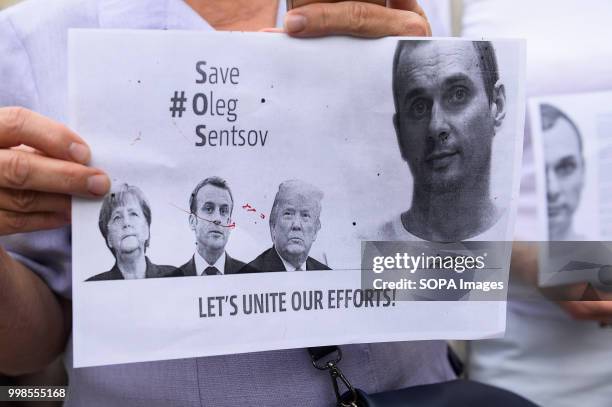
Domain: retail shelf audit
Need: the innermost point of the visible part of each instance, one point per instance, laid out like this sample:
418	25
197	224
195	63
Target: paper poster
249	168
573	157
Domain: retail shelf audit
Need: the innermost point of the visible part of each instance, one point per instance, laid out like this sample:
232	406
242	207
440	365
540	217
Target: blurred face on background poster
564	170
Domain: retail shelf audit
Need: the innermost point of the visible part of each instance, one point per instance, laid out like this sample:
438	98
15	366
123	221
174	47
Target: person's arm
33	324
42	163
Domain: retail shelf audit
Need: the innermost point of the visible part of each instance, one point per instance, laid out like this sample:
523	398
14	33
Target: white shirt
289	266
394	230
201	264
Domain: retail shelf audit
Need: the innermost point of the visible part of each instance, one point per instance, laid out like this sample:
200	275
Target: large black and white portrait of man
449	105
211	204
295	221
565	171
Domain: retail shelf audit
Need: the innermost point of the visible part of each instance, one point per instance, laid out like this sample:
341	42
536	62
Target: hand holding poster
249	168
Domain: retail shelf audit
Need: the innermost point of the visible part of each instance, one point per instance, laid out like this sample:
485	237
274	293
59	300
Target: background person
553	353
125	222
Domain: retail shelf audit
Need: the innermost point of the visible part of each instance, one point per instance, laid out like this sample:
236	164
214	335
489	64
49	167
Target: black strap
455	362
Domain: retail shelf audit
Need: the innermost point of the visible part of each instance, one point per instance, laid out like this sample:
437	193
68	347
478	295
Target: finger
301	3
589	310
354	18
19	170
22	126
408	5
15	222
27	149
26	201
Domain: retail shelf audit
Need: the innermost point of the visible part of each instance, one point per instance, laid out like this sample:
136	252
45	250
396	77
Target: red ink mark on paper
249	208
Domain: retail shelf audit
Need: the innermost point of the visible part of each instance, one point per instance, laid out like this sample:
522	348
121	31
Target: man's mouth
557	210
439	155
441	159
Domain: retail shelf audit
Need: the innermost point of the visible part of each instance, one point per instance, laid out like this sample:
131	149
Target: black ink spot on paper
263	100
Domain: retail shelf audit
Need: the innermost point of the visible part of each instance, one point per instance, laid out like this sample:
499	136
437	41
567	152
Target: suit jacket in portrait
270	261
153	271
232	266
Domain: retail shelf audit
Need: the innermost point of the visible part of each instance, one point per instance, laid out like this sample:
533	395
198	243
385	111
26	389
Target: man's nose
438	124
216	217
296	223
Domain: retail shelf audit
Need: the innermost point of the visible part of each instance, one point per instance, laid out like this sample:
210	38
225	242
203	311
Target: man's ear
498	107
193	221
396	126
583	170
317	228
270	223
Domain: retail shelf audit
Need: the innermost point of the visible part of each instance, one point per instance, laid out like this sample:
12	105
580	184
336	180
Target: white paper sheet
573	158
320	111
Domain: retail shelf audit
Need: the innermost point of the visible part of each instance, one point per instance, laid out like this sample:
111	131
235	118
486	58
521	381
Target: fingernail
79	153
295	23
98	184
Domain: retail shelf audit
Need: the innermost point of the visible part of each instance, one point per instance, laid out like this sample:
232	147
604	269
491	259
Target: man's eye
419	109
565	169
209	209
458	95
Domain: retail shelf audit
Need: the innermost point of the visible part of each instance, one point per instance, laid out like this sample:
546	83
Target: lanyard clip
338	377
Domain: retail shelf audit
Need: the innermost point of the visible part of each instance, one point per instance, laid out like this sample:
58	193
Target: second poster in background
573	160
